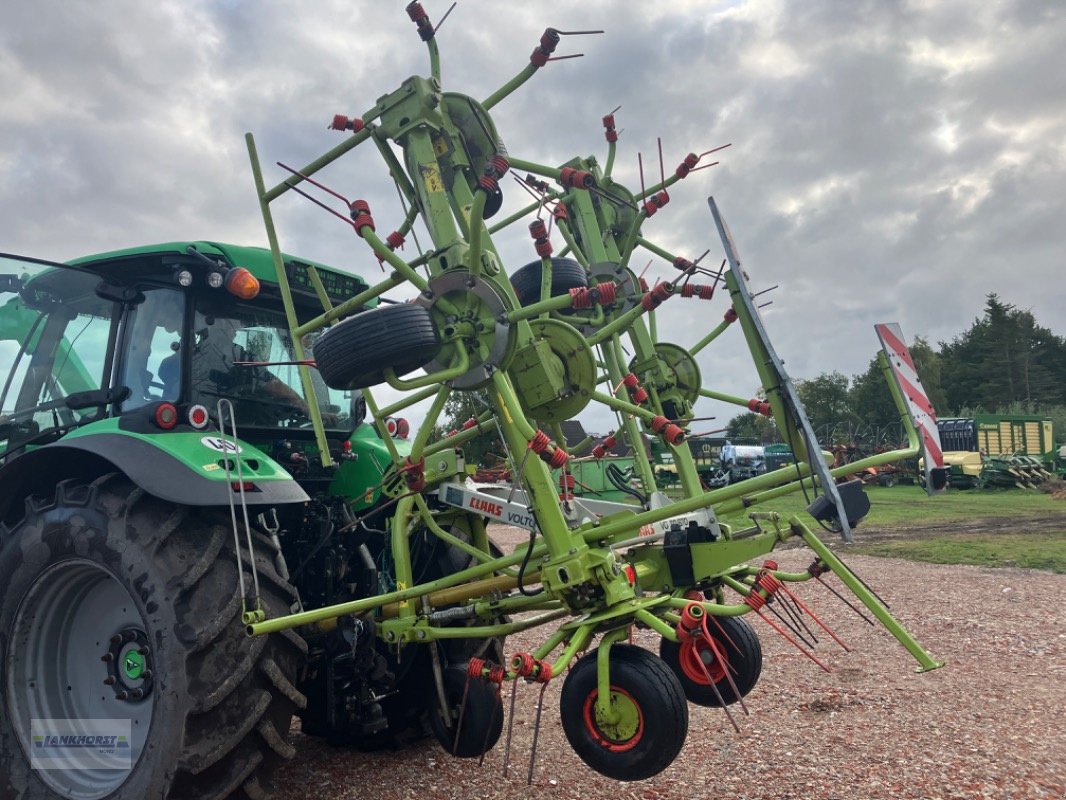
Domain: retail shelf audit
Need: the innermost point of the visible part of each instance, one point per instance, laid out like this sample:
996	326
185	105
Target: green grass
1040	550
909	506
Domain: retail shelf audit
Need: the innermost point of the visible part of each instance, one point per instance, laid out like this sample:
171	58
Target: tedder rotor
542	343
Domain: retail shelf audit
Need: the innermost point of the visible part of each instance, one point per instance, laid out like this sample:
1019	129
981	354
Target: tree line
1004	363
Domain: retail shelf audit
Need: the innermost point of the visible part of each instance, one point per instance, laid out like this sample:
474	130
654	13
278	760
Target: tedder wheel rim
621	734
79	651
691	657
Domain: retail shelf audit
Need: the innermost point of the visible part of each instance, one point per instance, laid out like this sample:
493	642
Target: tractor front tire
117	605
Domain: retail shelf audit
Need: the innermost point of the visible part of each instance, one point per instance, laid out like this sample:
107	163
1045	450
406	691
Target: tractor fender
151	468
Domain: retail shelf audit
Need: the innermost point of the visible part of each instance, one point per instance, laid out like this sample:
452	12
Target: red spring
475	668
655	202
395	240
414	473
558	458
640	395
539	443
631	381
489	184
470	423
685	167
523	664
655	297
343	123
497	674
543	672
691	621
421	20
643	284
542	52
769	564
560	212
730	315
360	212
659	423
760	407
817	568
650	209
604	447
674	434
683	263
538	229
609	132
543	247
700	290
575	178
607	292
567	481
580	297
499	164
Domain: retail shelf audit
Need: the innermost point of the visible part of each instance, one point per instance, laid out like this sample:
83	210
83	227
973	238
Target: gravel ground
990	724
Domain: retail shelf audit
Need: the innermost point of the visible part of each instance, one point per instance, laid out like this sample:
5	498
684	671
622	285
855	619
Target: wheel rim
622	734
694	660
79	651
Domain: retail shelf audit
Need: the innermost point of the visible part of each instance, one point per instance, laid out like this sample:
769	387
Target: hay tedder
368	596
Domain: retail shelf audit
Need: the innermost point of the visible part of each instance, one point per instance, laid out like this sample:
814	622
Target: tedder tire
738	643
653	715
567	274
482	715
119	606
354	353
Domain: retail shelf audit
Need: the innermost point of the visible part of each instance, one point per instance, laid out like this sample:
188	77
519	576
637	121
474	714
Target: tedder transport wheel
481	717
743	653
652	715
353	353
119	606
567	274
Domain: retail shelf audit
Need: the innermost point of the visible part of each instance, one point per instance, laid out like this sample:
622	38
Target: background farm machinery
359	562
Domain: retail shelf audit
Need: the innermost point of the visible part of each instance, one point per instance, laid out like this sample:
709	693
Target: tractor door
57	337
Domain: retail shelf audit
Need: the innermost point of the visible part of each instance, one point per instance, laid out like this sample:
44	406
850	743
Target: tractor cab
156	331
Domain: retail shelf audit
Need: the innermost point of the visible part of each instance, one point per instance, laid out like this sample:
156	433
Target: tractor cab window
152	366
54	342
245	354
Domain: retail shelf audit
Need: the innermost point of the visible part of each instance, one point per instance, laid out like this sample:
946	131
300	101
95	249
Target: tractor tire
117	605
567	274
742	650
354	353
653	714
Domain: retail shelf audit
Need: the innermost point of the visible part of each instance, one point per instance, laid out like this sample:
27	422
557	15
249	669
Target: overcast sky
890	161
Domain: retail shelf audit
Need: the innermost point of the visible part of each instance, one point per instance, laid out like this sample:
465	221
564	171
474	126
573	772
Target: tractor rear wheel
651	716
119	606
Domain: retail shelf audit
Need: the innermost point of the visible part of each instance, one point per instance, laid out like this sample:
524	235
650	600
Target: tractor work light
215	280
183	277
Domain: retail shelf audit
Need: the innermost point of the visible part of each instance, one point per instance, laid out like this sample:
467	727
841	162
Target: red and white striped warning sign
921	410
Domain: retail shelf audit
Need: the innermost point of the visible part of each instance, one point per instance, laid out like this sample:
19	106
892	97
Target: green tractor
137	534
